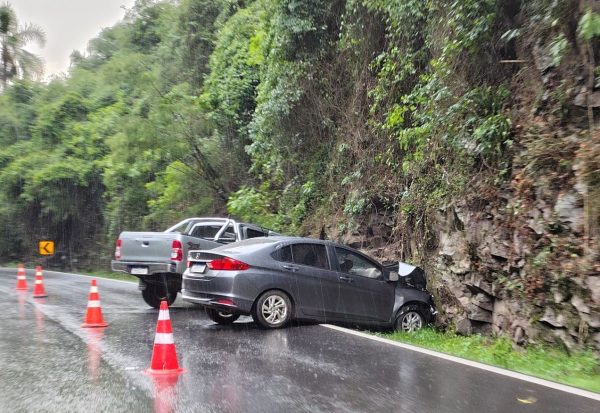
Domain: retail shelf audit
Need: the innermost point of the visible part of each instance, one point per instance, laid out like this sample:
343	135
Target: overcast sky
69	25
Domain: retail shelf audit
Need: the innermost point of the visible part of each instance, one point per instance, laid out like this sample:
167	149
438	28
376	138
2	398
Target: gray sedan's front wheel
273	309
409	319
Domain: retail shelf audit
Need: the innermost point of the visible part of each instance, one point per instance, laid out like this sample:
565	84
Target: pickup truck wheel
221	317
153	294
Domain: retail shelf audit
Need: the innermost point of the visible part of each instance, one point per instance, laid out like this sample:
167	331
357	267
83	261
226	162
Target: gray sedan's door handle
346	279
291	268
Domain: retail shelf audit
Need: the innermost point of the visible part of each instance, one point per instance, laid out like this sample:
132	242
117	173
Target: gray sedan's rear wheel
153	294
409	319
273	309
221	317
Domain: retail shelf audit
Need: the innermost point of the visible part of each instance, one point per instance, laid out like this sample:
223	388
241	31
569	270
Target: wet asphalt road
49	363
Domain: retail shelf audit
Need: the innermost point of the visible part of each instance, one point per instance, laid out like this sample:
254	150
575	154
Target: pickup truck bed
159	258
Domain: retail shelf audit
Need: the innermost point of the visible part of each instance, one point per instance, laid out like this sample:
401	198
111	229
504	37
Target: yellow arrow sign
46	247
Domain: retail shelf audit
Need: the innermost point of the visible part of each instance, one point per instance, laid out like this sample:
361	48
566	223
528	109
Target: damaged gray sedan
279	279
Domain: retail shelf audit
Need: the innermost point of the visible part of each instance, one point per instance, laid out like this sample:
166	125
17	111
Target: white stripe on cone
93	303
163	338
38	281
93	289
163	315
21	277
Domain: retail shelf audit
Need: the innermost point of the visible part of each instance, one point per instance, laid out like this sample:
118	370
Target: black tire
409	319
221	317
153	294
273	309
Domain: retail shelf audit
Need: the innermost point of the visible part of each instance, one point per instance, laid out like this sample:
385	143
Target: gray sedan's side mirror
393	276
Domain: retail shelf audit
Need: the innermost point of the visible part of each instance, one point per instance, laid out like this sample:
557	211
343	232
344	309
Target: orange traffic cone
21	280
93	314
164	356
38	290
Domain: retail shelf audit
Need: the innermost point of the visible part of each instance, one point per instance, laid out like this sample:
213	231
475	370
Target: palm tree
16	62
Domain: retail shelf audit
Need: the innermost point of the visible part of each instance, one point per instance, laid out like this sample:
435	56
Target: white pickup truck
159	259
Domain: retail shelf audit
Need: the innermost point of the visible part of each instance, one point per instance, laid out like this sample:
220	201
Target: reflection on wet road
51	363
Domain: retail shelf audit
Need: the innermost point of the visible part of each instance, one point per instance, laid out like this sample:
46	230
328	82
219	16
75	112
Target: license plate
198	268
139	270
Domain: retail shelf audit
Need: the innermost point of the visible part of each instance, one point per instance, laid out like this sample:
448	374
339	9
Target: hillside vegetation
460	135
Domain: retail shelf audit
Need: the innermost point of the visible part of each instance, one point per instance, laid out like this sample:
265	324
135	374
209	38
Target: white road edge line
482	366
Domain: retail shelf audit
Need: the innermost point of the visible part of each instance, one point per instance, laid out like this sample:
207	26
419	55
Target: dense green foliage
15	61
282	112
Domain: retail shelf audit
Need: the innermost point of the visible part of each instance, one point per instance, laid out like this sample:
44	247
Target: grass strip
92	273
579	369
109	274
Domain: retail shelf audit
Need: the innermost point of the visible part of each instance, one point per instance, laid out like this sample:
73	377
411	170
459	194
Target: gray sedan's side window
352	263
286	254
313	255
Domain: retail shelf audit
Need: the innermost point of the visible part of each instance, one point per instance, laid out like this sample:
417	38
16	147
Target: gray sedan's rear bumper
240	305
216	292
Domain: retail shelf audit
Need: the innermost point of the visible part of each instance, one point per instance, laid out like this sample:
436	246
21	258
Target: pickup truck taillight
118	250
176	250
227	264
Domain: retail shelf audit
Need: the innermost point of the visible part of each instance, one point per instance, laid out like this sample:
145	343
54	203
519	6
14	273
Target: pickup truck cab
159	258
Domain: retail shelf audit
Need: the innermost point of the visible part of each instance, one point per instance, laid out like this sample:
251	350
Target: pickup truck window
180	228
205	231
210	231
228	235
253	233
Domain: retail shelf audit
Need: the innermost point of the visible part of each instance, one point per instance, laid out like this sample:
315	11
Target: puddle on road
94	351
165	392
45	366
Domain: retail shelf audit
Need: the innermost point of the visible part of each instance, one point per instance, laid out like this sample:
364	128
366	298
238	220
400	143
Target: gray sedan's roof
255	244
273	238
245	246
251	246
